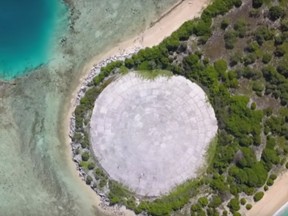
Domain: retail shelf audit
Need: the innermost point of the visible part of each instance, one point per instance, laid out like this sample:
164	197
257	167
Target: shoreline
281	209
274	200
169	21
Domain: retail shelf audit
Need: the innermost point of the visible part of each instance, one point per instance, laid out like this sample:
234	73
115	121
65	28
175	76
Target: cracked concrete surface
151	135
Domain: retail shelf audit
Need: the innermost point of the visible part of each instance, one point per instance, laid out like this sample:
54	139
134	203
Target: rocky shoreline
94	71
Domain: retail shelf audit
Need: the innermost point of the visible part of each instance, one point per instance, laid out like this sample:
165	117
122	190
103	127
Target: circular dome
151	135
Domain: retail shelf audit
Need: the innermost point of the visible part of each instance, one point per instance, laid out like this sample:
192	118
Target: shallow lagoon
37	176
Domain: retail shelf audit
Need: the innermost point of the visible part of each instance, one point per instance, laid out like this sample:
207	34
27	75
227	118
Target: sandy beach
170	21
274	198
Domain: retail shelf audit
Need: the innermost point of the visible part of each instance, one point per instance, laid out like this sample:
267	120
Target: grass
211	150
151	75
175	200
84	165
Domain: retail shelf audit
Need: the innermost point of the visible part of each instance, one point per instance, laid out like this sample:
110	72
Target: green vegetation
203	201
258	196
234	205
243	201
88	180
248	88
85	156
248	206
91	166
154	73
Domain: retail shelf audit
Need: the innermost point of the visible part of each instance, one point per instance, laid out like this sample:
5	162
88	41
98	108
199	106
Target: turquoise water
283	211
37	174
26	27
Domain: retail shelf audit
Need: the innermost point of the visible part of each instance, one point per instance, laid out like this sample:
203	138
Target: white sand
187	10
274	198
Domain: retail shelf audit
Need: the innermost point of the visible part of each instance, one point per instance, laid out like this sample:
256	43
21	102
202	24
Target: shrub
248	206
91	166
262	34
249	59
230	39
195	208
234	205
286	165
270	182
278	40
77	137
252	47
220	66
258	86
275	12
203	201
102	183
284	25
266	58
254	13
240	28
273	176
85	156
88	180
243	201
257	3
215	202
279	51
270	156
224	24
253	106
258	196
266	187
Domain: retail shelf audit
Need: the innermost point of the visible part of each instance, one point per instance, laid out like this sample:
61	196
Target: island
122	139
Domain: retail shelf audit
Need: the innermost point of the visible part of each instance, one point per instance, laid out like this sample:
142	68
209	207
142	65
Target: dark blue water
26	27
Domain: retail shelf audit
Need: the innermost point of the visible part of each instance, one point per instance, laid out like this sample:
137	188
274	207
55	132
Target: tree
234	205
257	175
258	196
248	158
275	12
239	175
270	156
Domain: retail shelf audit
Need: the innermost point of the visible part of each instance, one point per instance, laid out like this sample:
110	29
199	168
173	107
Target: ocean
26	28
283	211
44	45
